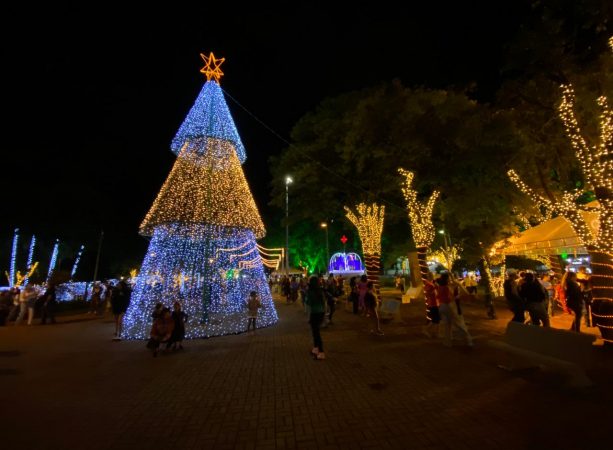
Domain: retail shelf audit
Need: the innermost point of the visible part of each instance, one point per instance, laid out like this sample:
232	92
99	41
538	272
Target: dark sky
94	94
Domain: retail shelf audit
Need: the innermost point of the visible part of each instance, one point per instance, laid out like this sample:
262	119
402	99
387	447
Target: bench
562	351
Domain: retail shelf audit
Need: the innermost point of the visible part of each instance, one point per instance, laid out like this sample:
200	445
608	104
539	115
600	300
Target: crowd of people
30	301
532	299
538	297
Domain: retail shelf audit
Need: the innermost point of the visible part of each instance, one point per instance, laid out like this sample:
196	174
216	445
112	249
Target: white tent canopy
552	237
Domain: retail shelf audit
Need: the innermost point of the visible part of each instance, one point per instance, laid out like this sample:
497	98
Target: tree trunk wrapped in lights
597	167
420	216
203	227
368	219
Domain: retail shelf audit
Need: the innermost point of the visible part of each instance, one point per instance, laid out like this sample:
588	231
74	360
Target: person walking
574	299
94	306
584	280
120	300
514	300
370	302
362	289
331	294
315	302
353	294
49	304
25	297
534	295
449	312
253	304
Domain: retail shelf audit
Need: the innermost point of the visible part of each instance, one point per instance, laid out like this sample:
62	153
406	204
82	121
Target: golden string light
595	160
566	206
19	278
446	256
368	219
205	186
420	214
212	67
276	256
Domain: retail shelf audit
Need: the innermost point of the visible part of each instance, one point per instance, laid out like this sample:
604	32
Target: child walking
253	304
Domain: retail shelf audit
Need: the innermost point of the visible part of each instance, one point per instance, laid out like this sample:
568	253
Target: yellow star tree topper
212	67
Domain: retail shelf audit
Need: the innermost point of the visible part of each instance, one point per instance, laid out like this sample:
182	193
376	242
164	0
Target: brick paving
69	386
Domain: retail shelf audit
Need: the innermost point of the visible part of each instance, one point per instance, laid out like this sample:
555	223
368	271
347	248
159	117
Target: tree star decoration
212	67
420	214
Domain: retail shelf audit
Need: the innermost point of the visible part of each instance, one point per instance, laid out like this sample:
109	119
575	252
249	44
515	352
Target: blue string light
209	117
76	262
53	258
185	263
30	259
13	258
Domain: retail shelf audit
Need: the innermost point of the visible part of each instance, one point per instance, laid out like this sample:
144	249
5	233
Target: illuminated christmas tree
203	226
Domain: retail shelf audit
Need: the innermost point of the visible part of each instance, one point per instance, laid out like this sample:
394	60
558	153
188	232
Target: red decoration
344	239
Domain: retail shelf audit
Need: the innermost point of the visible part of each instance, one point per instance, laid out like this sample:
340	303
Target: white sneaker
315	351
321	355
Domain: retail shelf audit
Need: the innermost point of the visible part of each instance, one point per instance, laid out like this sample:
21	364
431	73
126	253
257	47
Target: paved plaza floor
69	386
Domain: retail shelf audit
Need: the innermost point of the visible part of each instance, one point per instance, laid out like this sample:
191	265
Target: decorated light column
368	219
420	216
76	262
30	259
13	258
53	260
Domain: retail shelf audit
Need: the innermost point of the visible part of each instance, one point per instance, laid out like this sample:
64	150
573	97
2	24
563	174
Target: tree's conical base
210	270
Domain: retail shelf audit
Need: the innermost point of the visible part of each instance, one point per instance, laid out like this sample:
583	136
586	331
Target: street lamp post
444	233
324	225
288	181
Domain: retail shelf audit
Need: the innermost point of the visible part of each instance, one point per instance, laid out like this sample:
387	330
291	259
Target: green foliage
350	148
561	42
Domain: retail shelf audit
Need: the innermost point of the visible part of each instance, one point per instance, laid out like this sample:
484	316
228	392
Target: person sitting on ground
161	331
370	302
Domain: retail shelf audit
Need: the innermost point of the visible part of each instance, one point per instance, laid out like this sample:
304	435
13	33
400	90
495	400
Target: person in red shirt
432	312
449	312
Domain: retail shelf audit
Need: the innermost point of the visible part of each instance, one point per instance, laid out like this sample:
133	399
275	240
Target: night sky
93	96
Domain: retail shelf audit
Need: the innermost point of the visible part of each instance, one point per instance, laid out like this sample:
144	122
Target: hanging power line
310	158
